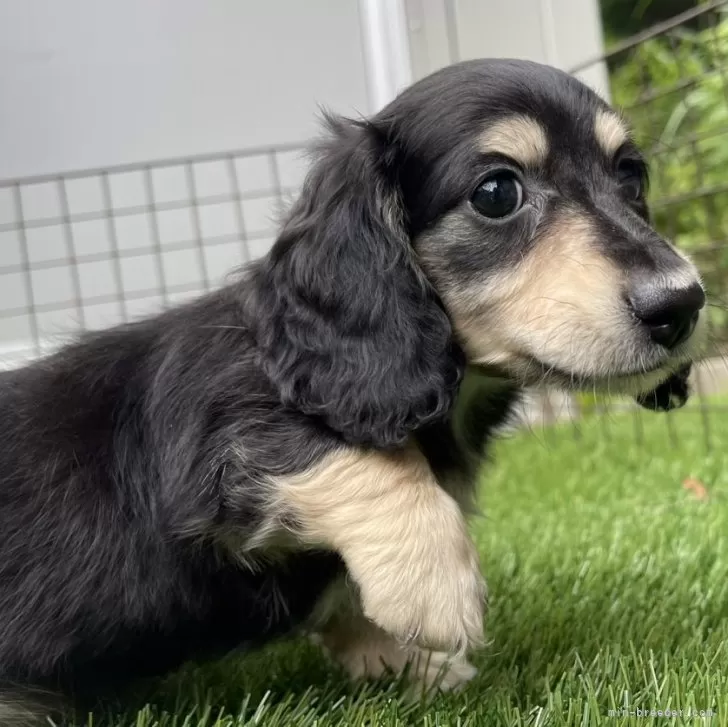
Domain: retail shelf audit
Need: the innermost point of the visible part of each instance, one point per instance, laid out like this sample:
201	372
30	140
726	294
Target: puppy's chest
455	466
457	448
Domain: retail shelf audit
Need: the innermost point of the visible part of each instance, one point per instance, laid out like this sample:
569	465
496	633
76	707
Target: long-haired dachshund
283	453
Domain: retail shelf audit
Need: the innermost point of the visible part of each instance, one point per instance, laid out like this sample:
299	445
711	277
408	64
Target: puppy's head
539	242
498	208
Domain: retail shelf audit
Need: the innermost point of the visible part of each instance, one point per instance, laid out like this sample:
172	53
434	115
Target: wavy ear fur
349	327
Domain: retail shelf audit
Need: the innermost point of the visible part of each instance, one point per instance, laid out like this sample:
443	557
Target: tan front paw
433	609
430	590
435	671
365	651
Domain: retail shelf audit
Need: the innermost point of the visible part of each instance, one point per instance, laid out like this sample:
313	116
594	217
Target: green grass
608	582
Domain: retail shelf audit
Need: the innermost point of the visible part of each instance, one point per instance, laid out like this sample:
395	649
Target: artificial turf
608	581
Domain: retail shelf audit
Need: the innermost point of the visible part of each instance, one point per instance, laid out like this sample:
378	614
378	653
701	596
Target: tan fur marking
28	707
365	651
610	131
403	538
545	304
519	137
562	304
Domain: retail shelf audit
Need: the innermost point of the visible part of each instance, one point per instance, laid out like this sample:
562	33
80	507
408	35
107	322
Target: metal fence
671	83
97	247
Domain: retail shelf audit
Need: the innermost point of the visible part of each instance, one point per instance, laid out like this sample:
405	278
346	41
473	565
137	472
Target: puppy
286	452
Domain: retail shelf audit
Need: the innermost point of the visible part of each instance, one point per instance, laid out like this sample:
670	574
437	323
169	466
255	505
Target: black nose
670	314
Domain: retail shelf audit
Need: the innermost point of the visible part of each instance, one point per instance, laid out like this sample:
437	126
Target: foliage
623	18
674	90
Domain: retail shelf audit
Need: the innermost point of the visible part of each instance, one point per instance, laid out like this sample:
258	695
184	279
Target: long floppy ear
349	328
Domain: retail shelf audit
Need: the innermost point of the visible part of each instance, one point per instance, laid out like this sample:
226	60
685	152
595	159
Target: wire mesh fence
93	248
671	83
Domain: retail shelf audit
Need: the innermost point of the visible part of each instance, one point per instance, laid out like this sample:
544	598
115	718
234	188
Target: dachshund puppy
295	451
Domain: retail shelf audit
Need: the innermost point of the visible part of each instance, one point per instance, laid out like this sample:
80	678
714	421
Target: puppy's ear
670	394
349	327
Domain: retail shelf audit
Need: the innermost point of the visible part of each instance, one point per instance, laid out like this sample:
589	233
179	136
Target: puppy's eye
499	195
630	175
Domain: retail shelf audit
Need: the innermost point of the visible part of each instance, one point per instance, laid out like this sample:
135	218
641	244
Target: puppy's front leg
366	651
404	541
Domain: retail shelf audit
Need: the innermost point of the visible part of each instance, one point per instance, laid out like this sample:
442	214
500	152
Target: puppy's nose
669	314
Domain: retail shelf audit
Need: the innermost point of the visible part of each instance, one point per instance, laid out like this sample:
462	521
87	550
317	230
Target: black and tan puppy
211	478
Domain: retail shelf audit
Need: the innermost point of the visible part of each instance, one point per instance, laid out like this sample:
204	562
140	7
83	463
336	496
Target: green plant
623	18
674	90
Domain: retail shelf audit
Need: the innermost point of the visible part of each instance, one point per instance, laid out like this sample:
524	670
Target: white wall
562	33
89	83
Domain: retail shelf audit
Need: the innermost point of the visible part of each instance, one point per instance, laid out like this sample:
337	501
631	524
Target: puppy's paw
433	609
428	590
435	671
364	651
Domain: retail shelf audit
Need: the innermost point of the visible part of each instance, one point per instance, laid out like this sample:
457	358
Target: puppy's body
130	461
200	481
127	460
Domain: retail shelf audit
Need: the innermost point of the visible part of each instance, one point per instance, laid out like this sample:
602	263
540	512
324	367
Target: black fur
350	329
117	472
131	460
671	394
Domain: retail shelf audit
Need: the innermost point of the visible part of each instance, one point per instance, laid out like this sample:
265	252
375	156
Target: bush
674	90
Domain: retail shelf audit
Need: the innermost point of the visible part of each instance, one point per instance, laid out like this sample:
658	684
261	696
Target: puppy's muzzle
670	315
